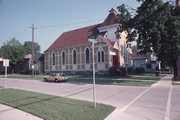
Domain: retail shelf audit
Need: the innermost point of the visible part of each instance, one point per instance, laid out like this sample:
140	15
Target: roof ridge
83	27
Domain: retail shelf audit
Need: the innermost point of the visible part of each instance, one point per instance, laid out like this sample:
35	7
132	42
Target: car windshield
62	74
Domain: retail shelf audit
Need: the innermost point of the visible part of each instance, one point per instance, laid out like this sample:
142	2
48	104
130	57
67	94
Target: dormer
109	26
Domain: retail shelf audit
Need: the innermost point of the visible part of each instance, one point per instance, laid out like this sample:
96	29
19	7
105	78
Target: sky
51	17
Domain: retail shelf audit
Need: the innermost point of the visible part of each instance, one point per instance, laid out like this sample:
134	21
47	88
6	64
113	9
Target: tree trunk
12	70
175	68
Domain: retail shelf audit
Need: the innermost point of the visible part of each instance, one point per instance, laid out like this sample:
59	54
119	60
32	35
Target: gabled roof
80	36
75	37
140	56
39	56
107	40
111	18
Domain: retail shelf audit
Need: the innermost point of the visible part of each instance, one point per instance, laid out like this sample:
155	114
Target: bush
113	71
116	71
25	72
139	70
123	71
130	70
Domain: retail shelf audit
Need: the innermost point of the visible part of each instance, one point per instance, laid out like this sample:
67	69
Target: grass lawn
51	107
135	77
142	79
175	83
147	77
25	76
114	82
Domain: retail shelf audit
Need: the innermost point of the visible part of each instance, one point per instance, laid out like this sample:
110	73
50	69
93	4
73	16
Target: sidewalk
9	113
120	113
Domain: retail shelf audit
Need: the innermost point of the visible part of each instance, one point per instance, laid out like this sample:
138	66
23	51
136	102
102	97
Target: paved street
159	102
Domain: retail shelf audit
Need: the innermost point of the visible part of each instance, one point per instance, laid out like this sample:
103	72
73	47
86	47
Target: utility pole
32	59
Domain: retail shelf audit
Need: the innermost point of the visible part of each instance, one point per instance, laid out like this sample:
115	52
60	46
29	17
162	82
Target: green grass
113	82
51	107
147	77
142	79
25	76
135	77
175	83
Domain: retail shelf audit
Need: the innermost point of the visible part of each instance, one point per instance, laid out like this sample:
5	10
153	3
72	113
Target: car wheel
45	80
56	80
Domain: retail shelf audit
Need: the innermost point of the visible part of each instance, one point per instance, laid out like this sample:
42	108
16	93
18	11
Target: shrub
130	70
113	71
123	71
139	70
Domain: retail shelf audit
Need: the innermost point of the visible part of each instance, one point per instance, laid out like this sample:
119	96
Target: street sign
6	62
93	41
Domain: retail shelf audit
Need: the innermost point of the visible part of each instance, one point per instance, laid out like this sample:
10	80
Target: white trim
105	28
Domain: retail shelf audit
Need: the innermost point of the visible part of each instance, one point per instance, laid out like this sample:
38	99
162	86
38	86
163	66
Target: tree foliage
14	51
28	46
155	27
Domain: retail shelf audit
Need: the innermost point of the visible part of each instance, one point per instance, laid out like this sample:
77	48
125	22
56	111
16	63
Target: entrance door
115	61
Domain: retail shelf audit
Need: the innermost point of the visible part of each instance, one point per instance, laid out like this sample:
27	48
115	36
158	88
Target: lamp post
94	41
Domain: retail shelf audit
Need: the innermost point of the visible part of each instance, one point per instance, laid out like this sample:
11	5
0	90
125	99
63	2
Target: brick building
72	52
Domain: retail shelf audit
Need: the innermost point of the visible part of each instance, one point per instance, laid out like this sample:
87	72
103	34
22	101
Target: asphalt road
159	102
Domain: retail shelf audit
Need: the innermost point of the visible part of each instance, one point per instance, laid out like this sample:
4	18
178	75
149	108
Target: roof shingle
80	36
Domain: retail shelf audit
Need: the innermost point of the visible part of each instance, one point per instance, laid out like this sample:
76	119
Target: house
72	52
38	62
1	66
147	61
26	65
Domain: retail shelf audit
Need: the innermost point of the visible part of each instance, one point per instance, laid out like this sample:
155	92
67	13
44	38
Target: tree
155	27
14	51
28	46
134	48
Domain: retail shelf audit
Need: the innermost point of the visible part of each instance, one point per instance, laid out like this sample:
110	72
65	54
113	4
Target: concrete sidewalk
124	114
9	113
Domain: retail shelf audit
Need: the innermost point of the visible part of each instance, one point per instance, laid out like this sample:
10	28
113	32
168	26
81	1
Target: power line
69	24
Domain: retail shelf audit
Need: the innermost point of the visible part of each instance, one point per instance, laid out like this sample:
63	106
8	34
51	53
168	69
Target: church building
72	51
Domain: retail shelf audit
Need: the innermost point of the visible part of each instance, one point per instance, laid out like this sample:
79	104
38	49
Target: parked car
56	77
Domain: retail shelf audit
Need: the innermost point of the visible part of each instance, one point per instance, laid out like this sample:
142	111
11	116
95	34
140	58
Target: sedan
56	77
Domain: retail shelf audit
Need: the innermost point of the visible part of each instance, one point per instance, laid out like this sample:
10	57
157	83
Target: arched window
102	56
63	58
74	56
87	55
99	56
53	58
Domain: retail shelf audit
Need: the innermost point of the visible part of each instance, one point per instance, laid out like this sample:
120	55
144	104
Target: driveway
135	103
